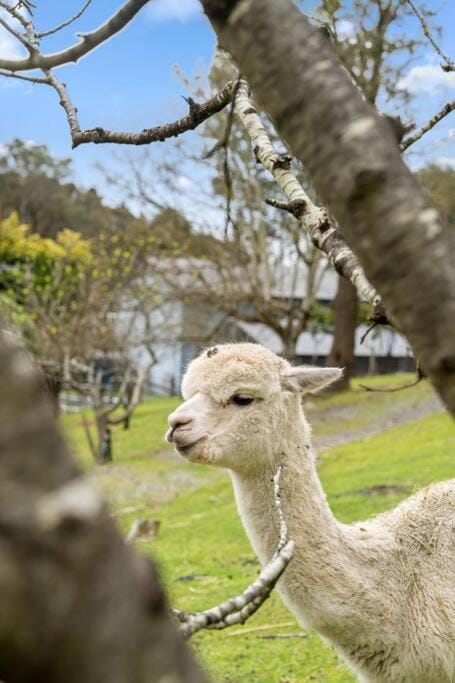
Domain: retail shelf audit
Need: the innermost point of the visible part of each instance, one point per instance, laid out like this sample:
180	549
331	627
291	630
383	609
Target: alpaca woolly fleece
382	591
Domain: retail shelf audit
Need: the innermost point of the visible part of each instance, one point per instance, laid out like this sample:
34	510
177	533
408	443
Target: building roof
380	341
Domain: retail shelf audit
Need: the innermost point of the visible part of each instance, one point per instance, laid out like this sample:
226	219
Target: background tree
83	310
439	183
30	175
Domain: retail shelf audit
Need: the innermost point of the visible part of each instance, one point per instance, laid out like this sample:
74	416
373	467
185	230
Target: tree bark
355	166
77	604
104	434
342	351
53	388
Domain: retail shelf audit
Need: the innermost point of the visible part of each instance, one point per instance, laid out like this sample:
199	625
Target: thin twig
197	115
238	609
448	64
14	12
370	329
69	21
296	207
30	79
447	108
88	42
283	526
276	636
396	387
262	627
226	168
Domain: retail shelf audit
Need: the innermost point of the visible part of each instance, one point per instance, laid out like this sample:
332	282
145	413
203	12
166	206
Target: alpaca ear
308	379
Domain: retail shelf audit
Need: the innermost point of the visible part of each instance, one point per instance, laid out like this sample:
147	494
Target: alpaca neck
320	574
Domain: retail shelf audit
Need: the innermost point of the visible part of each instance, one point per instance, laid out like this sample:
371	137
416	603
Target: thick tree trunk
342	351
76	603
354	163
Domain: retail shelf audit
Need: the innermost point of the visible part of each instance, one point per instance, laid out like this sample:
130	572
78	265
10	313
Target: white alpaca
382	592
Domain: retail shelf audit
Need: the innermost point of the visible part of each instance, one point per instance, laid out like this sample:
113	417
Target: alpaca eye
242	400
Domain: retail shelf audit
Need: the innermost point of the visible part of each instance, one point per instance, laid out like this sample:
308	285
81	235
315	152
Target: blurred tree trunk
77	603
53	387
343	346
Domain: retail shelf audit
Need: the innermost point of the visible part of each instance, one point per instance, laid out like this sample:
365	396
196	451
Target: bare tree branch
198	114
31	42
448	64
89	41
69	21
238	609
65	102
135	396
314	220
447	109
15	33
397	387
30	79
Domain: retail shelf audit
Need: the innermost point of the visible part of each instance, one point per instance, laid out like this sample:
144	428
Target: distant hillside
38	186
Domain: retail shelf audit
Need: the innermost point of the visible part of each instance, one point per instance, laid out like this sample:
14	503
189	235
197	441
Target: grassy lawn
202	550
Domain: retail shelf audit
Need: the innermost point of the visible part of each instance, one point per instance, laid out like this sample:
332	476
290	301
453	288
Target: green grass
203	553
355	409
201	535
144	438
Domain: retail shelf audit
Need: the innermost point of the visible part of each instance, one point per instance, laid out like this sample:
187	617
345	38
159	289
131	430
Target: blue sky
129	83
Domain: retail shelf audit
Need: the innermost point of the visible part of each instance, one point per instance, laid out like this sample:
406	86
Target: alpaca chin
197	453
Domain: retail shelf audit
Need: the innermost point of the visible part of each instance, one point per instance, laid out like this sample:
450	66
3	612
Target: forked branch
88	42
238	609
314	219
447	63
66	23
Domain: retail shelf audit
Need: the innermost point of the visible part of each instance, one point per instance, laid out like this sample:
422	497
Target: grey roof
380	342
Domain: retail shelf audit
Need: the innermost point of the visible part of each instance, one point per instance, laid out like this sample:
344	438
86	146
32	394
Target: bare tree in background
87	322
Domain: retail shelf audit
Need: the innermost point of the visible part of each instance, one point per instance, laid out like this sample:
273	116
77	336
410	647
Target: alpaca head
242	406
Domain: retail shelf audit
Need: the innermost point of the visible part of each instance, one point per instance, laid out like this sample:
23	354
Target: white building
383	350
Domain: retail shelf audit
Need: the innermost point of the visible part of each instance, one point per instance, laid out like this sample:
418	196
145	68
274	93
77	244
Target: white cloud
183	182
446	162
345	29
10	48
427	78
165	10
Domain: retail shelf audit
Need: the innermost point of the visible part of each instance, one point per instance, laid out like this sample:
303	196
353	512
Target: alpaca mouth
185	450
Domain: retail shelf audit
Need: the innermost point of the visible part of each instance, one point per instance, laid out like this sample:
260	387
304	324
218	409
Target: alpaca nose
177	421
